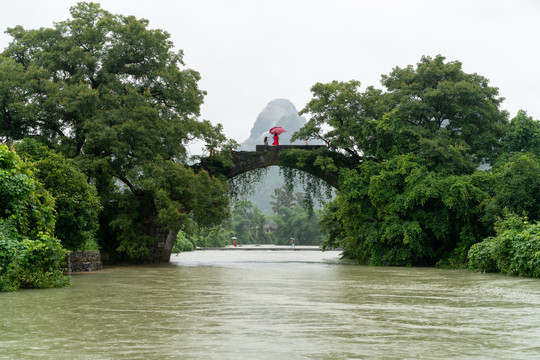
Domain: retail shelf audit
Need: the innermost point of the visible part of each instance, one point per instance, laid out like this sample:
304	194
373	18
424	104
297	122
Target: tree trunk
160	251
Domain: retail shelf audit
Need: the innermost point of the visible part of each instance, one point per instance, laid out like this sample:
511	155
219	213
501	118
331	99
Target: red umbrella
277	130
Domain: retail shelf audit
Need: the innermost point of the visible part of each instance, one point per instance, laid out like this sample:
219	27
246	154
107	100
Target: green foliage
114	95
283	198
183	243
24	201
435	106
515	250
35	264
29	256
516	187
340	116
412	196
247	223
18	117
400	213
245	184
439	100
9	240
76	201
250	226
298	223
218	236
523	135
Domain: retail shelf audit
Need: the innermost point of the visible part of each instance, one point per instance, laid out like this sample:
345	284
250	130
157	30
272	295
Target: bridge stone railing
278	148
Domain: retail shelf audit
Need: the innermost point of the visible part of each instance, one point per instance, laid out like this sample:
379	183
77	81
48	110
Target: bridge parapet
278	148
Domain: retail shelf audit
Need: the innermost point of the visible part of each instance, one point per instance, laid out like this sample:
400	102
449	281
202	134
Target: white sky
251	52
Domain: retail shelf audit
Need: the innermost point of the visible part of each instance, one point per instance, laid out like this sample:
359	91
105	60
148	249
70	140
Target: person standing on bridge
276	131
292	242
265	140
276	140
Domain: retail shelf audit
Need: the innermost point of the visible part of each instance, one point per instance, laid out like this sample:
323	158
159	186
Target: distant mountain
279	112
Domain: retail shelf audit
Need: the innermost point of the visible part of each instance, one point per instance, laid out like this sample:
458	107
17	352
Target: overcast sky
251	52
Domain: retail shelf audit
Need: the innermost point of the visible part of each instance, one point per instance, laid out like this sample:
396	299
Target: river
274	305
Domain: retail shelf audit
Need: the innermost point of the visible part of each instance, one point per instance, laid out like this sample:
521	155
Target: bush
29	256
76	201
8	244
33	263
182	243
24	201
514	251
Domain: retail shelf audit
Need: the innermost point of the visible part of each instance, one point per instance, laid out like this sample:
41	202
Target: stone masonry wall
79	261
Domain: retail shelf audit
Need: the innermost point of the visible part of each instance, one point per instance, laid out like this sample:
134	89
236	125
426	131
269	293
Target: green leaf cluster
299	223
77	204
515	250
24	202
400	213
35	263
29	256
250	226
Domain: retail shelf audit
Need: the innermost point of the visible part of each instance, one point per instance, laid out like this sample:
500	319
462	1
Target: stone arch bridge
316	160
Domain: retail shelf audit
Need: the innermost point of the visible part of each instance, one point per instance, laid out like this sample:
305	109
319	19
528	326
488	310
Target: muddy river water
274	305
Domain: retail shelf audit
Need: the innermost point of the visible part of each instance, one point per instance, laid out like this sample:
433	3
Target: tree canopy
413	196
114	95
437	111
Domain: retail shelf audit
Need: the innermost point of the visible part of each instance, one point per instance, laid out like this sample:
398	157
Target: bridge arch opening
300	170
261	184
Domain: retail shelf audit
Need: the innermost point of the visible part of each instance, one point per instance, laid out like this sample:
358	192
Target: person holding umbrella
276	131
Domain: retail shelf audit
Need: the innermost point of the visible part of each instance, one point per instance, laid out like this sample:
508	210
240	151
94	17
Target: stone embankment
79	261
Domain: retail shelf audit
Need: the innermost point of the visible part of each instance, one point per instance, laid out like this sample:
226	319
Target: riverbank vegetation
438	164
30	257
514	250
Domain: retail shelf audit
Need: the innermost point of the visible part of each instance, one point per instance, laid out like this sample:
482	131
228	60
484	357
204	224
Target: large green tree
113	94
411	198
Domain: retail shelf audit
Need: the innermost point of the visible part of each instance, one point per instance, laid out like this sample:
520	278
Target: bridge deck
283	147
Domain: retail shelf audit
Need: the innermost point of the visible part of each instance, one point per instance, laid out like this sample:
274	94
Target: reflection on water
274	305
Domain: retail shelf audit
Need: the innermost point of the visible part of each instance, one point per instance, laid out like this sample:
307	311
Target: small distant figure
305	141
234	240
292	242
276	140
266	140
